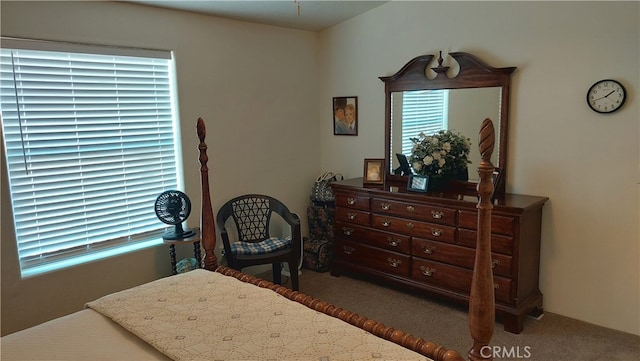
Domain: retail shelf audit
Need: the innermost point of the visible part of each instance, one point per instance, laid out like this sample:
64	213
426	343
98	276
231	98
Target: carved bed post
207	226
482	299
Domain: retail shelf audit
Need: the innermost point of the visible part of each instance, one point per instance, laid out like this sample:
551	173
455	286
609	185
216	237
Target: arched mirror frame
472	73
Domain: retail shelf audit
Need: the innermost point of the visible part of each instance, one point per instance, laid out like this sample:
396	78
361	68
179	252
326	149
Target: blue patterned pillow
266	246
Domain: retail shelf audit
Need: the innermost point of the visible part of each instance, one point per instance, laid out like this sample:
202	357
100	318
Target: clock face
606	96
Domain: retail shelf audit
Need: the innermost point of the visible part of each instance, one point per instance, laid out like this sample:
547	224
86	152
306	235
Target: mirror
457	109
461	95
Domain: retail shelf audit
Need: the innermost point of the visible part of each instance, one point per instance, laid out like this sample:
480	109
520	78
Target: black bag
317	255
320	220
321	191
318	249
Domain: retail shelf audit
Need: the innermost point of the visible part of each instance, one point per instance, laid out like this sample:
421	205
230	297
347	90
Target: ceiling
314	15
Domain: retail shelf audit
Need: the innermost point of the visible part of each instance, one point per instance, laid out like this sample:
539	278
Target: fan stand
178	233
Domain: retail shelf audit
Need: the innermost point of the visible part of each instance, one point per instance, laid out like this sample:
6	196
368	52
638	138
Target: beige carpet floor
552	337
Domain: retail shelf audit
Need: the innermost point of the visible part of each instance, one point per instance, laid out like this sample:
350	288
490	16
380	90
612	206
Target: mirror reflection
429	111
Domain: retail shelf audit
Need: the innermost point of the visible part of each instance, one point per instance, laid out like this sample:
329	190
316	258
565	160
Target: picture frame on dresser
418	183
373	171
498	179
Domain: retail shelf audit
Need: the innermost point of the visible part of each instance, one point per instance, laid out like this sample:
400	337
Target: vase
462	175
441	182
436	184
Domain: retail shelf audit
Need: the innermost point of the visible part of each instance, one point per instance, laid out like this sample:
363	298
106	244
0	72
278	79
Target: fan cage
173	207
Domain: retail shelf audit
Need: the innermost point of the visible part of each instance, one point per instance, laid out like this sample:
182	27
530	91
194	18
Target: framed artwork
418	183
497	178
373	171
345	116
404	168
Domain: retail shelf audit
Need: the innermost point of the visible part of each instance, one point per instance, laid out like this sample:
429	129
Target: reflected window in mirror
422	111
429	111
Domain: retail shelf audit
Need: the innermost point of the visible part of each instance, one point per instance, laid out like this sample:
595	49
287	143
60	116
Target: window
91	140
422	111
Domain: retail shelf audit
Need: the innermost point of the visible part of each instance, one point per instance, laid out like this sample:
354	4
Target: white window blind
422	111
90	143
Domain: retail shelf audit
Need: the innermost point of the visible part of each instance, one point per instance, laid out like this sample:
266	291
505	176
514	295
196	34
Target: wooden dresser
426	243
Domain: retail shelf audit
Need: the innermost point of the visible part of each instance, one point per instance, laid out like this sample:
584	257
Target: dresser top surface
504	202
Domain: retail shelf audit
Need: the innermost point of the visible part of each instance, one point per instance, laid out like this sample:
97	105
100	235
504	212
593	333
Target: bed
217	313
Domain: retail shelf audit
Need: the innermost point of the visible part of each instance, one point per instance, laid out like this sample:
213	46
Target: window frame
147	239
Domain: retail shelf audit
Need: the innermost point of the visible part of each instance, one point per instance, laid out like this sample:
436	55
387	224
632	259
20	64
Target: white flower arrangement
441	156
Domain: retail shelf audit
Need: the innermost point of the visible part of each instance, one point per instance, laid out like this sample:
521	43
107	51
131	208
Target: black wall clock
606	96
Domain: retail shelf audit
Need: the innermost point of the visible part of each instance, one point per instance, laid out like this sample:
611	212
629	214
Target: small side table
195	240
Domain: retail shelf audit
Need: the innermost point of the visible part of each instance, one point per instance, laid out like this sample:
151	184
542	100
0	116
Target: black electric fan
173	207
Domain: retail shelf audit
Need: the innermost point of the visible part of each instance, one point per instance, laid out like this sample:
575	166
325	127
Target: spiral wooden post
207	226
482	298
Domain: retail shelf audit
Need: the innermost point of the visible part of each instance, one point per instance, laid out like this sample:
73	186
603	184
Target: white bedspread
202	315
81	336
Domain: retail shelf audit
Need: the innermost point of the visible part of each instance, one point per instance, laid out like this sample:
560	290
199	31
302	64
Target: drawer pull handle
428	250
347	230
496	286
410	209
351	201
437	232
386	223
393	242
394	262
427	271
437	214
385	206
348	249
494	263
351	216
410	225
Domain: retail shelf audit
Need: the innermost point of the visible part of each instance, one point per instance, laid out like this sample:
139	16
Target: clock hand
611	92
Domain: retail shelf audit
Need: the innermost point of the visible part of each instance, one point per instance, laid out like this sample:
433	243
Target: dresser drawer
457	256
420	212
499	224
390	241
352	215
350	232
371	257
456	278
352	200
499	244
420	229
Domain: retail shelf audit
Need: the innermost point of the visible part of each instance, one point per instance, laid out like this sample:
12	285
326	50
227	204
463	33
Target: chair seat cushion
266	246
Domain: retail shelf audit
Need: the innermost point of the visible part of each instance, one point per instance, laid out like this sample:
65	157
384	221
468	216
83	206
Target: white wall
586	163
254	85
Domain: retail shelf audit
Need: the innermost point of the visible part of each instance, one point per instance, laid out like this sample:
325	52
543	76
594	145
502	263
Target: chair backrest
252	217
252	214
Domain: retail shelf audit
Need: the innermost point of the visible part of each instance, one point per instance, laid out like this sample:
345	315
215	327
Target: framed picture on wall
345	115
373	171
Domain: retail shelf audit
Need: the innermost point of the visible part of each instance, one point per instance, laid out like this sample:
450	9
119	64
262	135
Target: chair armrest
225	239
291	218
296	233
